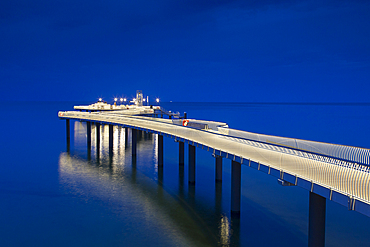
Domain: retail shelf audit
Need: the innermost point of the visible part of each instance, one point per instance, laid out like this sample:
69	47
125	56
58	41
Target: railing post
191	164
218	168
181	153
235	187
160	150
316	226
133	141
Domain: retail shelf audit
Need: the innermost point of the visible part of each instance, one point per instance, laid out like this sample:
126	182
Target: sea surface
51	197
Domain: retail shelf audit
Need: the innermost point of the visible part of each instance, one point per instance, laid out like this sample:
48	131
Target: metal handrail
342	152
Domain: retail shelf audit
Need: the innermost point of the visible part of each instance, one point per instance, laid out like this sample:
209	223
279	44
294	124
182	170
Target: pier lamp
157	100
115	99
100	99
121	100
125	99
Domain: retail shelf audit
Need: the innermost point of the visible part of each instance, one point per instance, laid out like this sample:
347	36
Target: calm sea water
49	197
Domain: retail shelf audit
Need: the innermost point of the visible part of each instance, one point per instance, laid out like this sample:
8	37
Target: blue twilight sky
196	50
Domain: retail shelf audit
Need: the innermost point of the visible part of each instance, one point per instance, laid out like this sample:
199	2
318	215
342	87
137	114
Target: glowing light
224	230
125	99
100	99
121	99
157	100
144	100
115	99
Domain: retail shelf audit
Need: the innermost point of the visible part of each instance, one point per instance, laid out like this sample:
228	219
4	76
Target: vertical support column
218	168
68	132
133	141
181	153
110	139
88	133
160	150
191	164
235	187
97	127
126	137
316	227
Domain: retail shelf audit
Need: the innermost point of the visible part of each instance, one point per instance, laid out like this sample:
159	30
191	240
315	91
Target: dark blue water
49	197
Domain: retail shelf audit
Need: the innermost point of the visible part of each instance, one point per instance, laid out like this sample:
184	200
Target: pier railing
357	155
340	155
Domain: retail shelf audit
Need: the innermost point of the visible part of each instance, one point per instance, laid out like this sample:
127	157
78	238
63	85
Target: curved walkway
334	179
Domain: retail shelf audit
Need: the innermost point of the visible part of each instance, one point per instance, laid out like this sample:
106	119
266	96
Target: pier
328	171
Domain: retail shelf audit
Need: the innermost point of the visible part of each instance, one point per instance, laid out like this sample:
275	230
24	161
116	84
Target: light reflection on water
113	180
224	230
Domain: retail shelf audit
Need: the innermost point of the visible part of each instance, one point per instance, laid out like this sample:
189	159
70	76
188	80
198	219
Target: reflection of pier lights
156	150
95	181
225	230
116	138
109	135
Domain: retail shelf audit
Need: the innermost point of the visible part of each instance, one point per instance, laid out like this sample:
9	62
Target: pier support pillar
68	132
88	135
218	168
235	187
97	127
191	164
133	141
160	150
316	227
181	153
126	137
110	139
